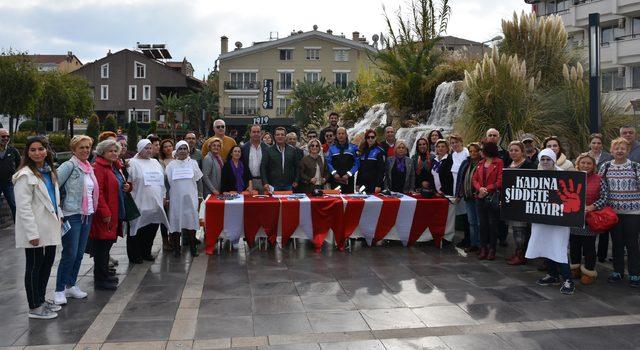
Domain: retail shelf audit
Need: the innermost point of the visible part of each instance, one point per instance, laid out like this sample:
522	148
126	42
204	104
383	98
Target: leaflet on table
153	178
182	173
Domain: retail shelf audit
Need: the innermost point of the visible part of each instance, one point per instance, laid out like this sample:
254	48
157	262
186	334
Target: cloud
192	29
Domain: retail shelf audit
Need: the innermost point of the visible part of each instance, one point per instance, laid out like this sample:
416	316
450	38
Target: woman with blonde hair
314	172
399	175
80	200
212	169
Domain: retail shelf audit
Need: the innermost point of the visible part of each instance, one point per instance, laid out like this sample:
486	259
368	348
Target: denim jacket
71	180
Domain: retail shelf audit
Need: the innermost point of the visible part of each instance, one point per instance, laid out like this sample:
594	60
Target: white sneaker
42	313
75	293
59	298
51	306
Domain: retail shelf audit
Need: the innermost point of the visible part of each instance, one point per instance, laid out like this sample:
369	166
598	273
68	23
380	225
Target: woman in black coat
441	165
422	165
235	177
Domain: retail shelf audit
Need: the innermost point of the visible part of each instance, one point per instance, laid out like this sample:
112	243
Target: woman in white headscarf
551	242
183	175
147	176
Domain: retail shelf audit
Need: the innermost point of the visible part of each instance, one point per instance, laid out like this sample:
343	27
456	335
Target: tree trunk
11	131
71	127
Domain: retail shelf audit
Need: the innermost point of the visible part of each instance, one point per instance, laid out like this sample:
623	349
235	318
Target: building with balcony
620	41
128	83
255	81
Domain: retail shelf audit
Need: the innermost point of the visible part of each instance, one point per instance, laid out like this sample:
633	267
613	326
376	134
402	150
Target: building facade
619	36
255	81
127	84
61	63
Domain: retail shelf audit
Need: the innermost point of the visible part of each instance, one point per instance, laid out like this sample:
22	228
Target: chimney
224	44
355	36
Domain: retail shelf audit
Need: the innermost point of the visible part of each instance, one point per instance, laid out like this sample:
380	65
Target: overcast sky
193	28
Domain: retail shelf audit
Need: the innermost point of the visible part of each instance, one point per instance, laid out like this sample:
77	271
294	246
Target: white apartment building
620	41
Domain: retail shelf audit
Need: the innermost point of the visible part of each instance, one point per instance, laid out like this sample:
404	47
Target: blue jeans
7	190
554	269
472	217
74	243
283	188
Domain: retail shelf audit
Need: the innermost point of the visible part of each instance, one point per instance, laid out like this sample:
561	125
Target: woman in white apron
183	175
551	242
147	177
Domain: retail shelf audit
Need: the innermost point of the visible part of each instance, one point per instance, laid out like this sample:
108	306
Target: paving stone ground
387	297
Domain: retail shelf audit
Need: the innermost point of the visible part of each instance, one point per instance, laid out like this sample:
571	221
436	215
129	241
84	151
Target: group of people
104	192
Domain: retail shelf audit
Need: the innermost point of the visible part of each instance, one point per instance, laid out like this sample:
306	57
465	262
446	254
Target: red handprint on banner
569	197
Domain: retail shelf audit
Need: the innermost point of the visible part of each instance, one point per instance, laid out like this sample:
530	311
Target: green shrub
93	128
132	136
153	127
28	125
59	141
110	123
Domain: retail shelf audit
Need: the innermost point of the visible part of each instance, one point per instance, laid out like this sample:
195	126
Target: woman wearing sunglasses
313	169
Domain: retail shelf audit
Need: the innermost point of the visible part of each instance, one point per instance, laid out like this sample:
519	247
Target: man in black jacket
9	162
280	167
253	152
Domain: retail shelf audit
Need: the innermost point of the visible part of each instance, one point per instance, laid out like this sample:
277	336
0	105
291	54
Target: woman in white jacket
38	223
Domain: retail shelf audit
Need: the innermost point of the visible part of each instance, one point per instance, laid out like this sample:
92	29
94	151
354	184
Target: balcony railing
241	85
241	111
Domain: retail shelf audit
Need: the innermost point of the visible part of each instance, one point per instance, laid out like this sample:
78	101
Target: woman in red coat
109	216
486	180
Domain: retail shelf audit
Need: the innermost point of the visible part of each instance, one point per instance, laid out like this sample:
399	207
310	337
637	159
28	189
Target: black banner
267	94
545	197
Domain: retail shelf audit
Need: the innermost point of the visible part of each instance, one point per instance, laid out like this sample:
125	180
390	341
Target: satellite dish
315	27
238	45
375	38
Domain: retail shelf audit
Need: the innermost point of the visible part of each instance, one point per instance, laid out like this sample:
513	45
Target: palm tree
310	101
410	58
170	104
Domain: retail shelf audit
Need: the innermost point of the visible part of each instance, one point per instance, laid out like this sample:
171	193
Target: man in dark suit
253	152
280	166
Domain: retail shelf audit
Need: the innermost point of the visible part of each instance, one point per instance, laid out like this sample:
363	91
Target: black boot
193	248
175	243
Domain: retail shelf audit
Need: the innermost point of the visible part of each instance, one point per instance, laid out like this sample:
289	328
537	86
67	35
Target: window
104	92
283	104
242	81
612	81
610	34
133	92
140	70
146	92
562	5
551	7
104	71
285	82
636	77
140	115
286	54
244	106
313	54
635	26
342	55
342	79
312	77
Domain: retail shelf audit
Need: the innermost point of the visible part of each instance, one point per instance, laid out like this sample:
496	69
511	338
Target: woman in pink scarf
79	196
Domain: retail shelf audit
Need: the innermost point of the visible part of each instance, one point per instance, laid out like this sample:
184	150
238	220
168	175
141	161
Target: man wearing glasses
219	129
9	162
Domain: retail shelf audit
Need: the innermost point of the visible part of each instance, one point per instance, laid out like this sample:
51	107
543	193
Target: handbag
493	198
131	211
601	220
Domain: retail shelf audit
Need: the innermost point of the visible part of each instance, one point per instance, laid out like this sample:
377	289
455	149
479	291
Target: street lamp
495	38
594	72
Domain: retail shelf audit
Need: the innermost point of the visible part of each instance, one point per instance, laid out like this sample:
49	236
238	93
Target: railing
241	85
241	111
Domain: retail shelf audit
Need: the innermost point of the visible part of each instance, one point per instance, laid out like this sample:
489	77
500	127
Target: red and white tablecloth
408	219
